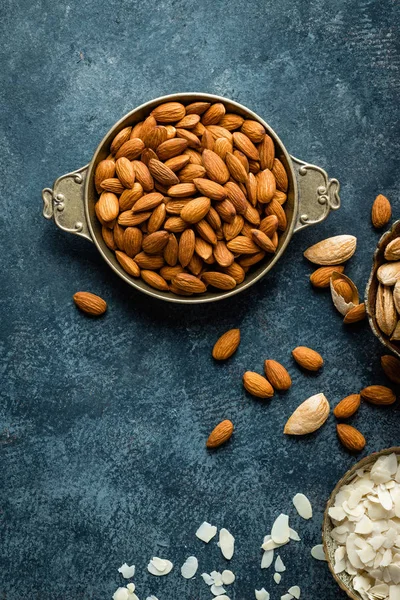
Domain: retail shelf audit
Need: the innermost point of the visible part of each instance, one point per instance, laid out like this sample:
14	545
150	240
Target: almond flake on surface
317	552
158	566
293	535
127	571
295	591
303	506
277	578
227	577
269	544
206	532
223	597
151	598
280	529
287	597
131	587
227	543
261	594
267	559
217	590
189	567
121	594
207	578
279	566
217	577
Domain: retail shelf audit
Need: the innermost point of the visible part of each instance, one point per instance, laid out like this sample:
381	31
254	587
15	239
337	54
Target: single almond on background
355	314
347	407
257	385
277	375
309	416
226	345
307	358
333	250
378	394
321	277
350	437
381	212
391	366
89	303
220	434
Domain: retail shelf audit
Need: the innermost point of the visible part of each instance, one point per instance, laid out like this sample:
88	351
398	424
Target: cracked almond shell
332	251
342	304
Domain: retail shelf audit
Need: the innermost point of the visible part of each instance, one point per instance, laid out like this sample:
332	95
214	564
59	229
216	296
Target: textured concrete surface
103	423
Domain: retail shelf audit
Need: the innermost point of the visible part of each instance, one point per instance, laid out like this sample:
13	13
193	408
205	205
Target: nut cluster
387	306
191	197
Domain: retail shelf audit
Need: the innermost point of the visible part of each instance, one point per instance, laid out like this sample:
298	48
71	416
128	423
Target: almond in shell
309	416
332	251
344	292
356	314
392	250
321	278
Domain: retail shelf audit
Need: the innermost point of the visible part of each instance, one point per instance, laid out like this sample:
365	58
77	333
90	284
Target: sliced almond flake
127	571
366	555
341	496
390	484
303	506
267	559
227	543
151	598
131	587
397	476
279	566
287	597
159	567
364	526
376	541
360	543
355	499
206	532
217	590
295	591
280	529
207	578
261	594
227	577
352	554
217	577
271	545
277	578
318	553
121	593
223	597
361	583
390	538
358	511
385	498
189	567
337	513
386	558
373	499
379	591
293	535
394	573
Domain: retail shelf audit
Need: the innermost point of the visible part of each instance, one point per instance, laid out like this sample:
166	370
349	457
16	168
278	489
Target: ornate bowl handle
318	194
64	203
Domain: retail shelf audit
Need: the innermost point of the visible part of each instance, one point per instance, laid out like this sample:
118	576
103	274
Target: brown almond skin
89	303
226	345
347	407
381	212
350	437
277	375
321	278
307	358
391	366
220	434
379	395
355	314
257	385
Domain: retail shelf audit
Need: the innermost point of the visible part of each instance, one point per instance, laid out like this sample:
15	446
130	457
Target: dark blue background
103	423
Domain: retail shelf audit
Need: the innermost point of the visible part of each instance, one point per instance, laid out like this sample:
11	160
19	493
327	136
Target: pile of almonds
387	307
191	197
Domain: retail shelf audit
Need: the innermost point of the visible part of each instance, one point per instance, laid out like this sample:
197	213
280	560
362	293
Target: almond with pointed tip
379	395
226	345
385	310
220	434
391	366
347	407
307	358
321	278
355	314
169	112
350	437
130	149
189	283
128	264
213	114
277	375
257	385
392	250
333	250
381	212
245	145
89	303
215	167
162	173
105	170
154	280
221	281
210	189
309	416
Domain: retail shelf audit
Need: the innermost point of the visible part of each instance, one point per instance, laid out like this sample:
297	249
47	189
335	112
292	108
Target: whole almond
169	273
215	167
169	112
189	283
391	366
130	149
175	206
236	197
226	211
277	375
343	288
233	229
252	215
347	407
251	260
309	416
154	243
203	248
242	245
389	273
188	121
206	232
154	280
148	125
221	281
207	141
197	108
269	225
175	225
222	255
263	241
236	168
171	148
214	114
186	247
251	188
155	137
281	178
266	150
231	121
171	250
381	212
125	172
128	264
392	250
350	437
147	202
226	345
245	145
105	170
157	218
355	314
210	189
121	137
182	190
214	219
194	156
385	310
274	208
147	155
220	434
196	265
192	140
162	173
266	186
332	251
190	172
119	236
378	394
257	385
89	303
149	261
112	185
108	237
128	219
222	146
195	210
254	130
108	206
132	242
128	197
143	175
217	132
177	162
321	277
307	358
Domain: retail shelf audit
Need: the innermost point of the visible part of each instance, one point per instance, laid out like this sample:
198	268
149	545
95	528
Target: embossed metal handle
64	203
318	194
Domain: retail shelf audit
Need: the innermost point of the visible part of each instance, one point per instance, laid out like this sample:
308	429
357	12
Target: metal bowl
372	287
343	579
71	200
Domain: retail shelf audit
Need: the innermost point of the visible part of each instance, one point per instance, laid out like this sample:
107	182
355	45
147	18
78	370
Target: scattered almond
90	303
350	437
355	314
378	394
307	358
321	277
226	345
331	251
277	375
381	211
309	416
347	407
220	434
257	385
391	366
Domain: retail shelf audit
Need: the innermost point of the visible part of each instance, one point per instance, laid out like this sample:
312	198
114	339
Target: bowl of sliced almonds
191	198
361	528
383	290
